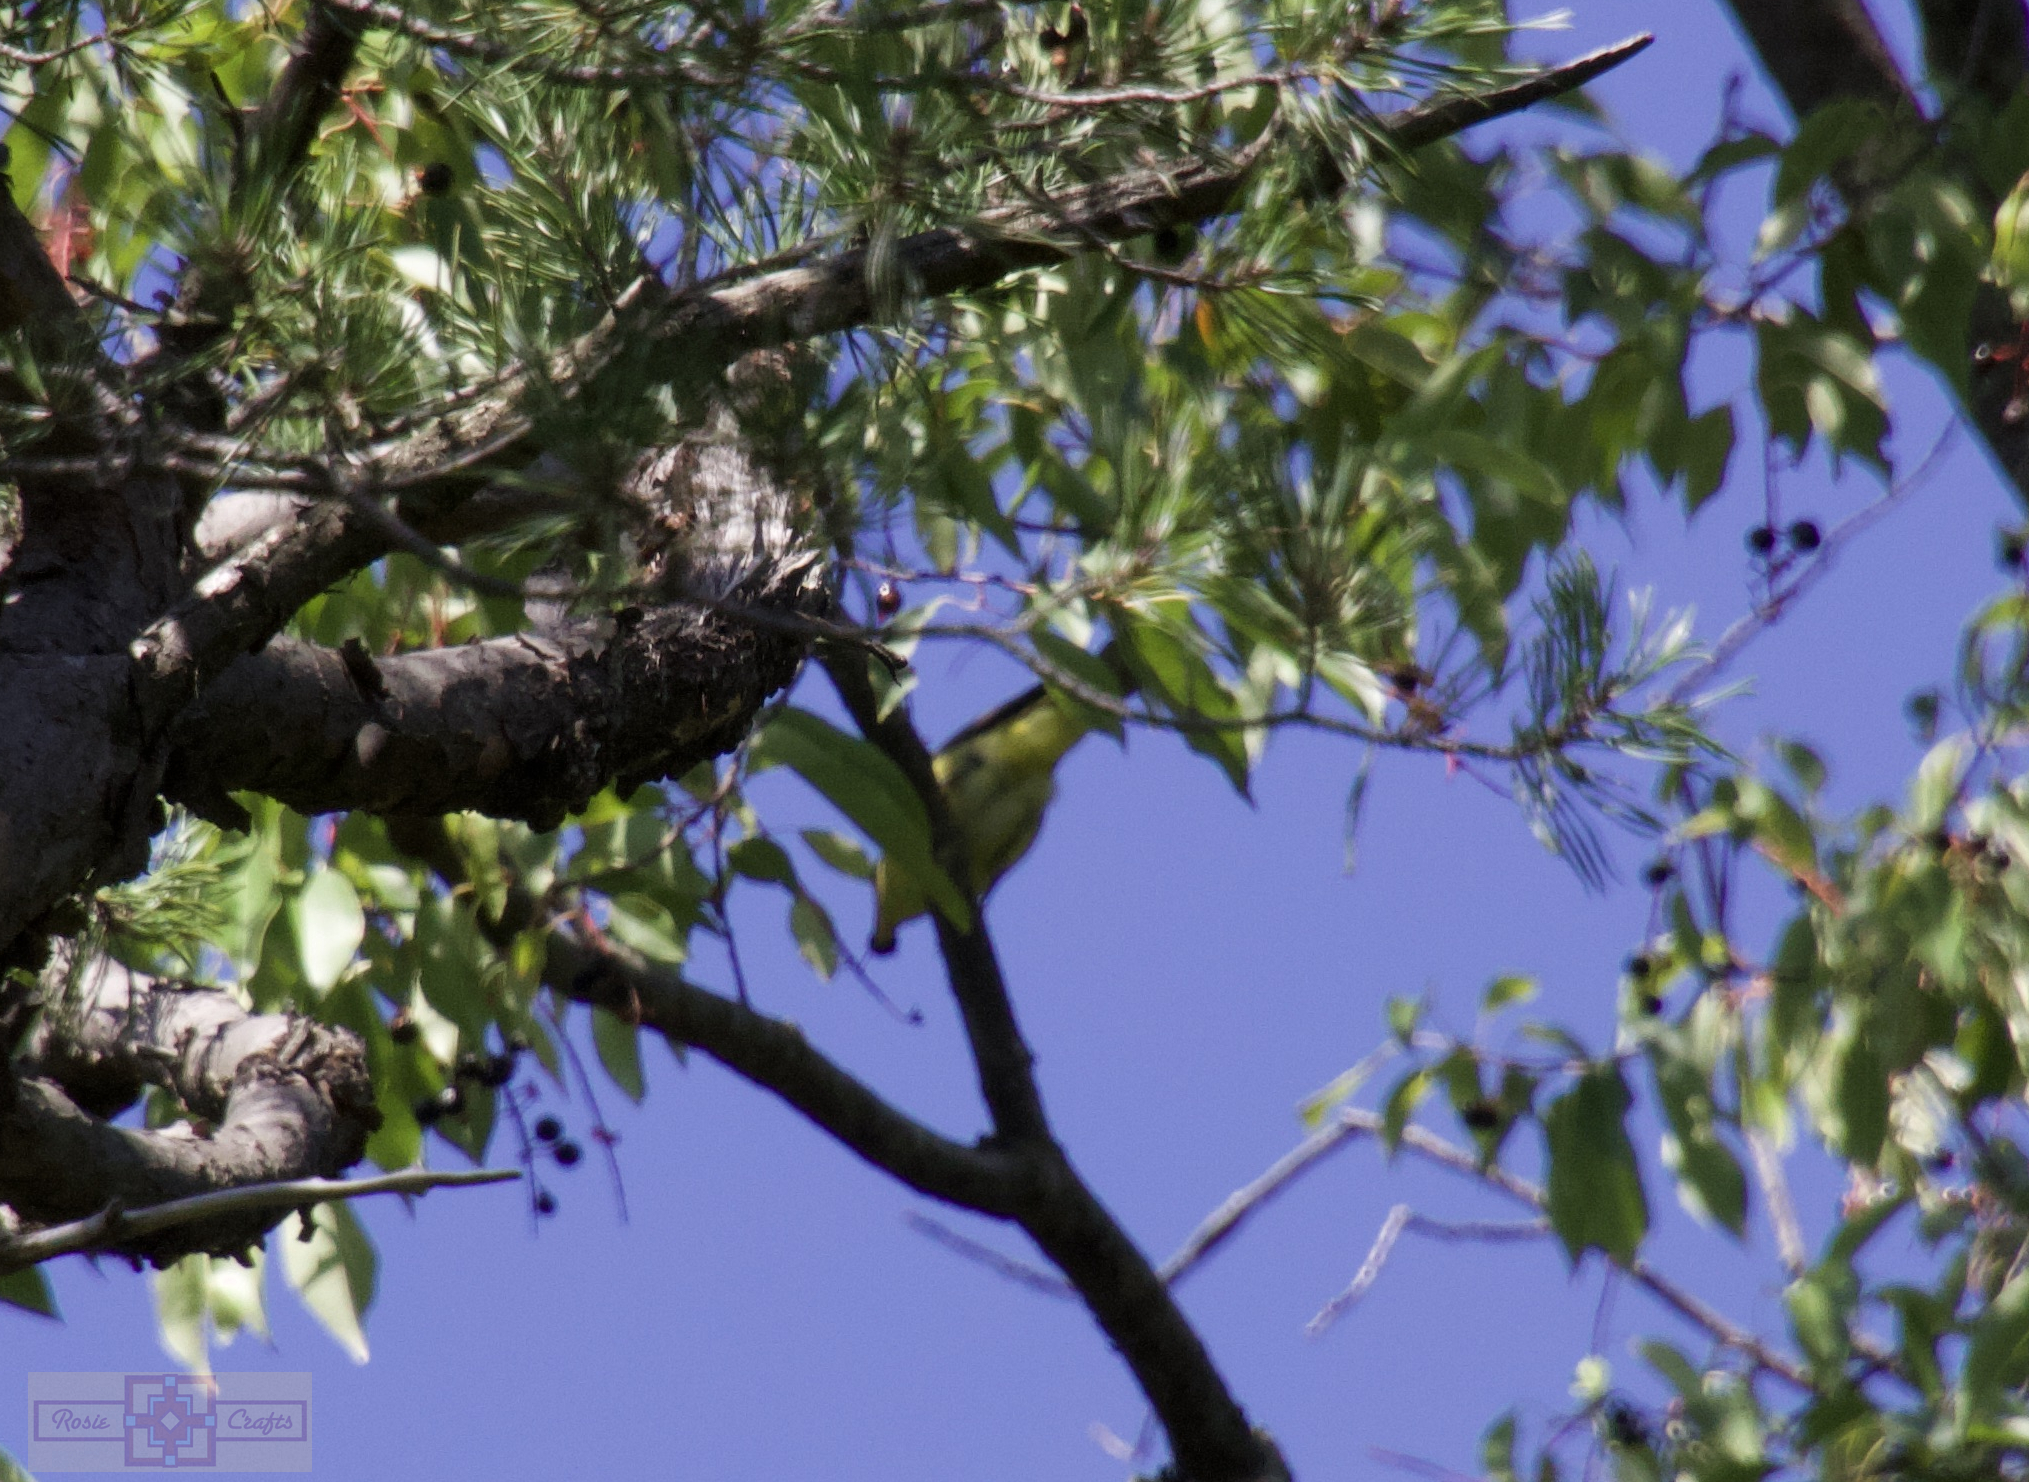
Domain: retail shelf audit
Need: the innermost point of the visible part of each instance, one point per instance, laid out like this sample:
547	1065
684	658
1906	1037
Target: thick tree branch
527	727
271	1098
1976	46
113	1226
308	87
33	295
1819	50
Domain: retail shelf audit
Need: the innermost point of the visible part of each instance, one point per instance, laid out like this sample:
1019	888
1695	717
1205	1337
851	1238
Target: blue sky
1187	968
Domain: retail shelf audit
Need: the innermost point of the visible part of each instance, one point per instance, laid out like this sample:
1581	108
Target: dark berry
1640	965
1405	677
434	179
1169	244
402	1029
1761	539
888	600
1625	1425
1940	1161
1481	1116
545	1202
1659	873
548	1129
2011	549
427	1110
470	1067
1651	1005
1940	840
1805	536
496	1072
567	1153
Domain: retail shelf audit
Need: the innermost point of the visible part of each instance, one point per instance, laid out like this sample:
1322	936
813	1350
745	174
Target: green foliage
1253	474
29	1290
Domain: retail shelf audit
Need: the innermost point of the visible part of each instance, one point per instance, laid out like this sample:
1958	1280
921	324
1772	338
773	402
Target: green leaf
1858	1112
1314	1108
1401	1106
1997	1353
858	780
1833	133
815	936
182	1311
1594	1188
329	927
2011	238
333	1272
1509	989
1497	1450
1936	786
29	1290
644	925
1174	673
1710	1182
762	859
1778	825
619	1047
1404	1015
840	852
1704	451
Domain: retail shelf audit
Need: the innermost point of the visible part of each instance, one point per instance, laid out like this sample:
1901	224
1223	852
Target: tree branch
776	1057
1209	1433
695	334
1818	50
272	1098
308	87
33	295
1693	1310
528	726
593	969
112	1226
1001	1057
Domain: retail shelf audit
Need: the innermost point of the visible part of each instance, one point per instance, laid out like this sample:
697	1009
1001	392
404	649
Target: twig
1780	599
113	1226
1782	1213
1400	1219
1356	1121
602	1134
1417	1466
110	36
1219	1226
1021	1273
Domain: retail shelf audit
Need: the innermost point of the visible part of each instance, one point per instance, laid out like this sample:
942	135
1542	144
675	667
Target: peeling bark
269	1096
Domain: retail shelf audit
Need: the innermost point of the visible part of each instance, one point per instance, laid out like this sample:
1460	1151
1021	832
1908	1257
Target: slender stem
1722	1329
114	1226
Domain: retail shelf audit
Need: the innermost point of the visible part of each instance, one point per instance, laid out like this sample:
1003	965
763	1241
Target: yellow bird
998	777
